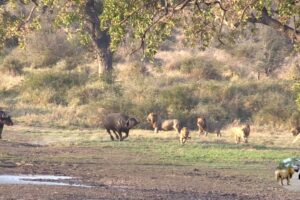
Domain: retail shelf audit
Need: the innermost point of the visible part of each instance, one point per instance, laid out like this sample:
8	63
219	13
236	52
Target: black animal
4	120
119	123
296	131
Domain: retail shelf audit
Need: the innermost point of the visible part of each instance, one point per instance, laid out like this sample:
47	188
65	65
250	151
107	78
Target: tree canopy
201	20
107	23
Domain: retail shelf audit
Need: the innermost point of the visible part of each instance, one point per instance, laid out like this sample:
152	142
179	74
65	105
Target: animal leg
176	127
277	178
111	137
206	133
126	135
116	134
120	136
288	180
156	130
237	139
281	179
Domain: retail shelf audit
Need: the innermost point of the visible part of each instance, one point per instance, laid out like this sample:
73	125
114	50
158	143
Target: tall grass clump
51	87
198	67
269	102
11	66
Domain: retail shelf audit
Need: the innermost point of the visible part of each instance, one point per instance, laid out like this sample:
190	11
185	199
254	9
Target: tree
151	21
17	18
106	23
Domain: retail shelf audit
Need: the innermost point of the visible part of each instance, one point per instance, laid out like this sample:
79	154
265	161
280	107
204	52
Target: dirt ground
115	173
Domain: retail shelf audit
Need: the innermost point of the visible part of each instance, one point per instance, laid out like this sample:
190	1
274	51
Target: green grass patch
213	154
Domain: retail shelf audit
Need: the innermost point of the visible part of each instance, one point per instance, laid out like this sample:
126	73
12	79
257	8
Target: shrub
178	98
199	67
51	87
12	66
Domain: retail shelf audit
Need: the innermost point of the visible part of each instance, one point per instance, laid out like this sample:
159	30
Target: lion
204	128
286	173
295	131
166	125
242	133
184	135
201	123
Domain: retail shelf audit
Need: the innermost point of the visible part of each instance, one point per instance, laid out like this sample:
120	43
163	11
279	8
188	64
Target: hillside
53	82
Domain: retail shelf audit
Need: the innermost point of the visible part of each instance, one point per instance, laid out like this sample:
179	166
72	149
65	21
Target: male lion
212	127
242	133
295	131
166	125
201	123
184	135
281	174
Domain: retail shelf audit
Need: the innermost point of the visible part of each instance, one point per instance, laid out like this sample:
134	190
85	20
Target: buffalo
119	123
4	120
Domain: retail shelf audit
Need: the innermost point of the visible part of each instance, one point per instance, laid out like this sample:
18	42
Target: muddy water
38	180
294	184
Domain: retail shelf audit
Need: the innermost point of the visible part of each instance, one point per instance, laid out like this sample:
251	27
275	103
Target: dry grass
8	82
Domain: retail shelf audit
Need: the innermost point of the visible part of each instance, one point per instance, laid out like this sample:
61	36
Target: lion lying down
281	174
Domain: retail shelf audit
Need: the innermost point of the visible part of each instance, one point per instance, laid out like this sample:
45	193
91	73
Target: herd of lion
183	132
119	123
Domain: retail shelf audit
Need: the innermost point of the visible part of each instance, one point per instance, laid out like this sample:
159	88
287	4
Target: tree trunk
100	39
104	55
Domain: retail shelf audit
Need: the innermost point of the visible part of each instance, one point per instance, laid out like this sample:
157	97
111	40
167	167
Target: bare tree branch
143	38
246	8
23	23
213	3
221	26
275	24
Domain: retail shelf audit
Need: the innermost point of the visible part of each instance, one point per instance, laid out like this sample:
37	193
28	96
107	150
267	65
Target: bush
51	87
198	67
178	98
12	66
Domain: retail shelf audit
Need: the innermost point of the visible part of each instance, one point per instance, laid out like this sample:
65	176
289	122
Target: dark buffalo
119	123
4	120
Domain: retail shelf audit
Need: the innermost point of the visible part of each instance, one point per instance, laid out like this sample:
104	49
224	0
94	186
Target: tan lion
205	129
201	123
166	125
242	133
184	135
281	174
295	131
